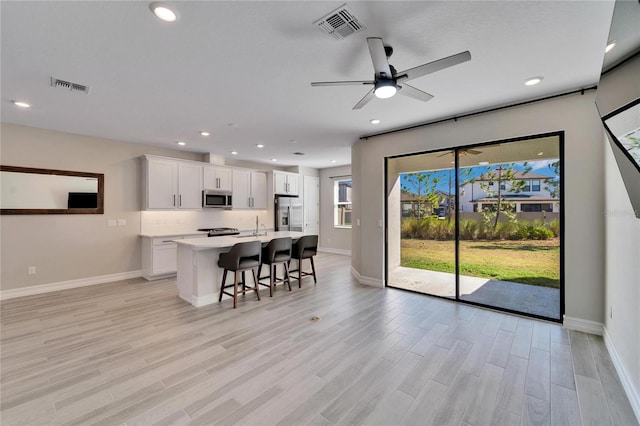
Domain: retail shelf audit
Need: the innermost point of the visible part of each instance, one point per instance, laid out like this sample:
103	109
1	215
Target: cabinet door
165	259
241	186
280	183
292	184
162	179
216	178
259	190
225	178
189	186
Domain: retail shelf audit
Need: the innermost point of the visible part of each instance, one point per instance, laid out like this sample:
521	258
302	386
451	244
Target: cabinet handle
180	200
174	200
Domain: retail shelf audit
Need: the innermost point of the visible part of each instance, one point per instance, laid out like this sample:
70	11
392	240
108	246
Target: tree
502	174
423	186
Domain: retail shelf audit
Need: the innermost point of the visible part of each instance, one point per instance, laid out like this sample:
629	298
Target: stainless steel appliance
216	198
218	232
288	213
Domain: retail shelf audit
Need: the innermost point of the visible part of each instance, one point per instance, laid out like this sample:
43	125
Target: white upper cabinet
249	189
171	184
285	183
216	177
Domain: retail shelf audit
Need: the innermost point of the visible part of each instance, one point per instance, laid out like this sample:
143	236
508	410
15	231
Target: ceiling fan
462	152
387	81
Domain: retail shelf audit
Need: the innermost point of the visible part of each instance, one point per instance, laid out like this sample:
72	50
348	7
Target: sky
540	167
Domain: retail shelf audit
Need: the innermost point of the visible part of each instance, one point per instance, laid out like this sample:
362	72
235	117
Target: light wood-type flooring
133	353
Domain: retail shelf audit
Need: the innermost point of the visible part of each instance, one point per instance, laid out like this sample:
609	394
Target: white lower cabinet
160	255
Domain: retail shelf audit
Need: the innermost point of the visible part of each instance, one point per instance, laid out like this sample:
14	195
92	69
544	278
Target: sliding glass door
479	224
424	259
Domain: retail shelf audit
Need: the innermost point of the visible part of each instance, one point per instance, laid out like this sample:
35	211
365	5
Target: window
535	185
527	186
503	186
342	203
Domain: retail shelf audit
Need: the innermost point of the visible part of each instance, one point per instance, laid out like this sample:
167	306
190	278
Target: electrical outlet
31	270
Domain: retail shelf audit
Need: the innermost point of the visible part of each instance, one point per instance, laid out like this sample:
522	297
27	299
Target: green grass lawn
526	262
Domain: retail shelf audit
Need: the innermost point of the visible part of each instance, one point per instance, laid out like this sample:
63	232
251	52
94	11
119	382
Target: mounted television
82	200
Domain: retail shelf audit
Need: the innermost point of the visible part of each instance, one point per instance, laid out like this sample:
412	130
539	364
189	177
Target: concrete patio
528	299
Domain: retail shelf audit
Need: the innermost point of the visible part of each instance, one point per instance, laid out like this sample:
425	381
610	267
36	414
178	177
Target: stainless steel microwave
215	198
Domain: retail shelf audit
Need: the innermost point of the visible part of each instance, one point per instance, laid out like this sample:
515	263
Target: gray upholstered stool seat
305	248
241	258
276	252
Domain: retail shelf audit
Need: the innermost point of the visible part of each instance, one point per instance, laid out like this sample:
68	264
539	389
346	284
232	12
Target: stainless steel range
218	232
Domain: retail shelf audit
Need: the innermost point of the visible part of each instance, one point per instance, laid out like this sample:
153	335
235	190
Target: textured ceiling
250	64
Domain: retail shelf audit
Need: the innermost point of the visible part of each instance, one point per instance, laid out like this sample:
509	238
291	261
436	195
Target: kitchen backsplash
157	222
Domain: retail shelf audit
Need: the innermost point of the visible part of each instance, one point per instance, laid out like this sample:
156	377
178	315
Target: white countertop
161	234
230	240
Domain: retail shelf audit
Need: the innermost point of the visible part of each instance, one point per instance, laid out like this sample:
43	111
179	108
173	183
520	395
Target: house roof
517	175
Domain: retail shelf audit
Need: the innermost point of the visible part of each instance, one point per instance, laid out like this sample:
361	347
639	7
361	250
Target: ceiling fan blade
474	151
414	93
379	57
341	83
365	100
434	66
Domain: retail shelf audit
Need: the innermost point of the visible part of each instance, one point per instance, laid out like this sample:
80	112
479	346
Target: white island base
199	277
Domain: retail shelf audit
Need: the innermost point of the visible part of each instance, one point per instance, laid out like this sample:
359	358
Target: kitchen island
199	277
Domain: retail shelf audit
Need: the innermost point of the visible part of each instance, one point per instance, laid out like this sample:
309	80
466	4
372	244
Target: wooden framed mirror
26	190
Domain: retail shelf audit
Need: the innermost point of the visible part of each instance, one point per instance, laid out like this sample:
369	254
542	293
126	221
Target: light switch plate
112	223
122	222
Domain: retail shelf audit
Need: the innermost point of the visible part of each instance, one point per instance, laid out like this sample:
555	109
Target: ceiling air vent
340	23
298	153
73	87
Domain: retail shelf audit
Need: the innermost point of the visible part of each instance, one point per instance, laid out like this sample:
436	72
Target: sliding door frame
560	135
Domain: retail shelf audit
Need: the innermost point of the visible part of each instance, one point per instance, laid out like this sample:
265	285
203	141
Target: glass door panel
509	226
421	223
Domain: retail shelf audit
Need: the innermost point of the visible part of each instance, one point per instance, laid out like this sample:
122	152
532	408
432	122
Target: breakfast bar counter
199	276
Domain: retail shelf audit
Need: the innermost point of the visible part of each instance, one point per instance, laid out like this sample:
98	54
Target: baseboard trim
586	326
627	383
65	285
334	251
366	280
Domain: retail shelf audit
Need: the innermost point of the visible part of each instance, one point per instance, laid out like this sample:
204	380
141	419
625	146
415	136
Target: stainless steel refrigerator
288	213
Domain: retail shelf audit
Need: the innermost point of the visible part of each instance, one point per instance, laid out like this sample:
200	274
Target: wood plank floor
133	353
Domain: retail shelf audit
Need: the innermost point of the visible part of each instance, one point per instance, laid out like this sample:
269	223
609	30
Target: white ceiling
250	63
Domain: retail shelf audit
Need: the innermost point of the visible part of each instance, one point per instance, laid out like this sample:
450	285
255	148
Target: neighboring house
415	206
482	192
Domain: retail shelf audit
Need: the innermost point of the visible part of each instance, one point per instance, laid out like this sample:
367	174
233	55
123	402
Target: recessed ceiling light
540	153
234	152
181	143
274	159
203	133
333	161
21	104
610	46
259	146
374	121
533	81
162	11
484	163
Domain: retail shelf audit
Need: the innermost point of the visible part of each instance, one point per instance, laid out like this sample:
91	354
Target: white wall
332	239
72	247
622	268
583	187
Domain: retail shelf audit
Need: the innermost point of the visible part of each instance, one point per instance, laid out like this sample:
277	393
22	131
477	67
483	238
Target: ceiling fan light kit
387	81
385	89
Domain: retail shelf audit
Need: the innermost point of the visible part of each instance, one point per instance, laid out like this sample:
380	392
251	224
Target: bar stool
276	252
305	248
241	258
